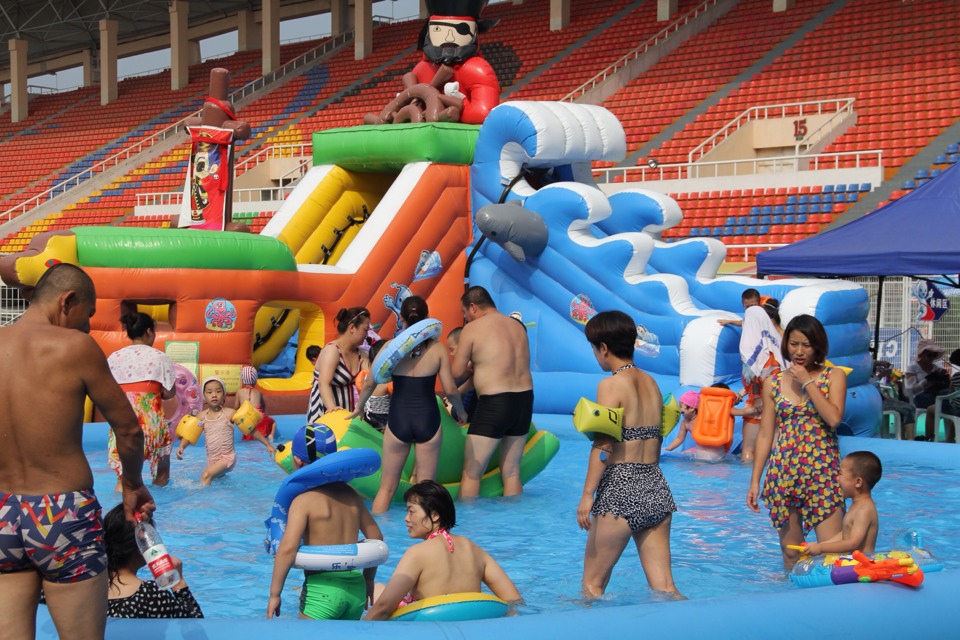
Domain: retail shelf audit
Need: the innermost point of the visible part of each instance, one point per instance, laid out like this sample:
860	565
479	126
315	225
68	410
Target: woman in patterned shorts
798	435
625	494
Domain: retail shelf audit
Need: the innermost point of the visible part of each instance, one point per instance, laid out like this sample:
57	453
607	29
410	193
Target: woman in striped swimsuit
338	365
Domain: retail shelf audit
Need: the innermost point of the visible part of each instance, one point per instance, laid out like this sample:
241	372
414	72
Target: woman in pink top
146	375
216	422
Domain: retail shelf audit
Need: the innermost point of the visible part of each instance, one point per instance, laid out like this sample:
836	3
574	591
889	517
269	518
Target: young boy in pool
329	514
859	473
216	422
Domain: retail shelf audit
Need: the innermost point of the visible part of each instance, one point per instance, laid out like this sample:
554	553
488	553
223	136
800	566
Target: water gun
862	569
902	570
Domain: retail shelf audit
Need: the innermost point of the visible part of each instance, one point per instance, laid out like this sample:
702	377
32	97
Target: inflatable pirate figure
452	83
207	197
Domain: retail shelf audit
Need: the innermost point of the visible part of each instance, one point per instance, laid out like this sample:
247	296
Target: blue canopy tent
917	235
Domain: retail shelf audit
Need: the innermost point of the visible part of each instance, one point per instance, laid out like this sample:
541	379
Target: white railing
627	58
274	151
766	112
257	194
170	131
741	252
845	109
745	167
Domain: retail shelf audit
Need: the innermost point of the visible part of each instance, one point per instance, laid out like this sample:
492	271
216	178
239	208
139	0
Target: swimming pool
722	552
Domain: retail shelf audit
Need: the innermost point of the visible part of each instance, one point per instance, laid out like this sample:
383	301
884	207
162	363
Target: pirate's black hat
470	8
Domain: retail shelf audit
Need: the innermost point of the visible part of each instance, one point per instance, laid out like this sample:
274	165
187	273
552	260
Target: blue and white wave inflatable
602	254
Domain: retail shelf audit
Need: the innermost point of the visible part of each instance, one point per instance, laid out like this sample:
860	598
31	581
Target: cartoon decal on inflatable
220	315
452	83
208	191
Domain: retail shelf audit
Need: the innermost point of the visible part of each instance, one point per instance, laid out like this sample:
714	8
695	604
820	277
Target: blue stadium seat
828	188
865	187
908	184
754	219
694	232
953	148
826	207
853	196
922	174
790	208
727	230
742	220
802	208
730	221
953	158
767	209
935	172
739	230
940	159
763	229
752	231
778	210
803	199
791	199
815	199
754	211
801	218
826	197
789	219
777	219
840	188
717	231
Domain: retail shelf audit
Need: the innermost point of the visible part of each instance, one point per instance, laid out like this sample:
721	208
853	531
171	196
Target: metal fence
899	325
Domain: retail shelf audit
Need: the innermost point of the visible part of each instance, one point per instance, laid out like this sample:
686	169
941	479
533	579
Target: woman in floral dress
801	488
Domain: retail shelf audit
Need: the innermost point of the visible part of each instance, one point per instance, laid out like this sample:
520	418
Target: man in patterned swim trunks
493	348
50	528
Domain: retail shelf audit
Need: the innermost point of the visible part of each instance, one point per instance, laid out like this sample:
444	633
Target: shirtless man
46	486
494	349
330	514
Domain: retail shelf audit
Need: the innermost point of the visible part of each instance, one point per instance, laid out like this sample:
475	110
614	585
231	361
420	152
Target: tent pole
876	326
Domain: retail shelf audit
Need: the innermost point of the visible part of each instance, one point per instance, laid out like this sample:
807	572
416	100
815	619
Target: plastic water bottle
156	555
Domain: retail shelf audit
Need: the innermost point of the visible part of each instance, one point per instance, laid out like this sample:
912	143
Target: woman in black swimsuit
414	414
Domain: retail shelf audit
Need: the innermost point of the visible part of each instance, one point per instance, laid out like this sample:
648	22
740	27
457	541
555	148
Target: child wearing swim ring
249	393
216	423
442	563
625	494
330	514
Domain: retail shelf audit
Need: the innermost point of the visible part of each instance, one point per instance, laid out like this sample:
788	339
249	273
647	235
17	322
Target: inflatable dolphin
519	231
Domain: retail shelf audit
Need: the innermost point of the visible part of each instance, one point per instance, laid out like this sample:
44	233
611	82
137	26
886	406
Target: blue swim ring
401	345
341	466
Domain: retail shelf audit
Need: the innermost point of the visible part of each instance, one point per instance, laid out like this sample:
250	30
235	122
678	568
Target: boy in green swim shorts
327	515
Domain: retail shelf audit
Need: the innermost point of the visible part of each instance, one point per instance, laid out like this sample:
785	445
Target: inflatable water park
442	190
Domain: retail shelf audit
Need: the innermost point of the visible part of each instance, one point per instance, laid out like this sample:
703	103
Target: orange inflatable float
714	424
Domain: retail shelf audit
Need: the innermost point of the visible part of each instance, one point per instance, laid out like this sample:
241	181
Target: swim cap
313	441
211	379
248	375
690	398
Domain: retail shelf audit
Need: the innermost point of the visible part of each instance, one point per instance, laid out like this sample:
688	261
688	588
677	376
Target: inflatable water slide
602	253
354	233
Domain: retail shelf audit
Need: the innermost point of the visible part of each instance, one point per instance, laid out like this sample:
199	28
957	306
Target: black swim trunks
503	414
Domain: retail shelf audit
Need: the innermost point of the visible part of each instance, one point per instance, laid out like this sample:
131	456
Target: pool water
719	546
